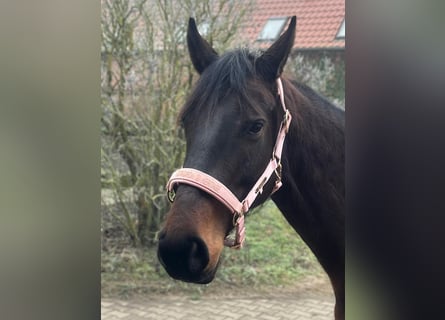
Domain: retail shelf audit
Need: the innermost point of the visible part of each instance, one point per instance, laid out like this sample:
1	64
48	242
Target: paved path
222	308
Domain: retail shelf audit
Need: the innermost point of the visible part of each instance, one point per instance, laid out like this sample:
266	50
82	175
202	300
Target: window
272	29
341	32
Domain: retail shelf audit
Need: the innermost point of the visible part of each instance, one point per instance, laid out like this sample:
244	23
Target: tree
146	75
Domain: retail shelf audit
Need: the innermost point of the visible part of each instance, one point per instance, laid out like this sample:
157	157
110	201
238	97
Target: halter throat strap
219	191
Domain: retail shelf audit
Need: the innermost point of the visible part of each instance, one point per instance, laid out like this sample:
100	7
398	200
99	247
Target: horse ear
271	63
201	53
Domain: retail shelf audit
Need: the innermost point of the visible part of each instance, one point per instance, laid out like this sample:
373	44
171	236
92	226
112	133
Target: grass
273	255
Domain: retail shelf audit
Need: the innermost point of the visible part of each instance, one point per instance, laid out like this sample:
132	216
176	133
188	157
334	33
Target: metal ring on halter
171	195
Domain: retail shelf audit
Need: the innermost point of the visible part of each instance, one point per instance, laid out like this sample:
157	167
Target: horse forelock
232	74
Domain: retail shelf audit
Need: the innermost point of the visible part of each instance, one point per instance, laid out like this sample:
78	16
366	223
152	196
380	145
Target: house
320	37
320	23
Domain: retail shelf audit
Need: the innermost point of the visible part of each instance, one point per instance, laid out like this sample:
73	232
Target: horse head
231	122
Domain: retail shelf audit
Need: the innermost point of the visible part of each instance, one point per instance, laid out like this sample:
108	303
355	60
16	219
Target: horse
242	144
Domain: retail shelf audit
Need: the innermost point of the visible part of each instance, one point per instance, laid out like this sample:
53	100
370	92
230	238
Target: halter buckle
236	218
259	189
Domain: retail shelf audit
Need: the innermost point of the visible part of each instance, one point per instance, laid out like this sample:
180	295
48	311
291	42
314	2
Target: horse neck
312	195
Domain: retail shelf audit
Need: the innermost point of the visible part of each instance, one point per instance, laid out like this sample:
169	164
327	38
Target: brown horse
232	120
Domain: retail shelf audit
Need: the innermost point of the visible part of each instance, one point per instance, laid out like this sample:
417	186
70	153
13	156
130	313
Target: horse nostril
183	259
198	256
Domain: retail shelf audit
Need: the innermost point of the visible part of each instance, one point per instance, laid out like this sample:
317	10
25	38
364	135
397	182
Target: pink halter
219	191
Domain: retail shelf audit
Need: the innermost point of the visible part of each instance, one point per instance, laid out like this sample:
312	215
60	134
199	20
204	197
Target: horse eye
256	127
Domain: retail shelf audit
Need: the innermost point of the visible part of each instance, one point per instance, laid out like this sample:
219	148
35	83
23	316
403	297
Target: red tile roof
318	21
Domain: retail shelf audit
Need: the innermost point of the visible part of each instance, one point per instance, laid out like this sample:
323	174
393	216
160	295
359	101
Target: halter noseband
207	183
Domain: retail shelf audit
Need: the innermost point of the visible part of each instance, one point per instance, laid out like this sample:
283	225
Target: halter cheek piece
219	191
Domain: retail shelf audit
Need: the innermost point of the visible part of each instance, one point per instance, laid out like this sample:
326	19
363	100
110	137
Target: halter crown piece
207	183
